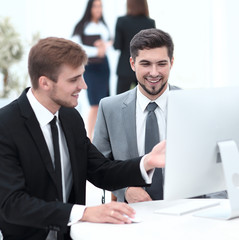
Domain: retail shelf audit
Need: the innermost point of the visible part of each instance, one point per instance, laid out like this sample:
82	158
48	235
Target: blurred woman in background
136	19
93	34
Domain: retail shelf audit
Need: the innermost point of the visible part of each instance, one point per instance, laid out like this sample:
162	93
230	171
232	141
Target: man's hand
156	158
113	212
136	194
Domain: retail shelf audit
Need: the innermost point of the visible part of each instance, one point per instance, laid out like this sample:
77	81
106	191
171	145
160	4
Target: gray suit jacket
115	129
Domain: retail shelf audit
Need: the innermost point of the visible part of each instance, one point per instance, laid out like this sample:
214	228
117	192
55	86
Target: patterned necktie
151	139
57	159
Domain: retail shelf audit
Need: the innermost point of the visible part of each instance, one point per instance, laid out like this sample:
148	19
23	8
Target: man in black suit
39	196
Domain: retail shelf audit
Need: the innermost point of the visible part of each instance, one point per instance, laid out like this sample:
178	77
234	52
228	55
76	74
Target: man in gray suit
121	122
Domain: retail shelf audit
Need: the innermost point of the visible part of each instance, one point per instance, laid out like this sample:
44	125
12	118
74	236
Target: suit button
55	228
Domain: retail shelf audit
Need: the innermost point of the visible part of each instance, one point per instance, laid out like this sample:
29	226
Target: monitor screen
197	120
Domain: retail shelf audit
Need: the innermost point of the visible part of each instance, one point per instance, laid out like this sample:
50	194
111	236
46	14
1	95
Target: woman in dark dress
136	19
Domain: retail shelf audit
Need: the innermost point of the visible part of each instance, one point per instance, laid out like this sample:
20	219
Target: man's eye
162	64
74	79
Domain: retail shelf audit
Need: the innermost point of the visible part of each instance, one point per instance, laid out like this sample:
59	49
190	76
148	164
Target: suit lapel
39	140
77	163
36	133
129	122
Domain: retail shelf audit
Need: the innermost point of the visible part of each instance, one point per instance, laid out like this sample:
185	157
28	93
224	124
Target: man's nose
82	84
154	70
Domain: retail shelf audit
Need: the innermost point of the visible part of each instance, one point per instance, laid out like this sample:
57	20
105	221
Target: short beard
152	93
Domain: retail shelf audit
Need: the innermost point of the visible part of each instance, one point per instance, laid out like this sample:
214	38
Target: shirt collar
43	115
144	101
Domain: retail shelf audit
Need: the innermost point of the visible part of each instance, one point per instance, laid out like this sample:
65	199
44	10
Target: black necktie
57	158
151	139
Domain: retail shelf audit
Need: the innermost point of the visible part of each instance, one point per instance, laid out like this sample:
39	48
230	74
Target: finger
120	206
145	198
118	218
119	212
125	209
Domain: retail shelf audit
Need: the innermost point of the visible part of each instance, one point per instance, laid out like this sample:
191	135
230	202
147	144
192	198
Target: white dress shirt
141	115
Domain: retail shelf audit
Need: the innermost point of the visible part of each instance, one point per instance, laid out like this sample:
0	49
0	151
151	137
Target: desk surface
160	226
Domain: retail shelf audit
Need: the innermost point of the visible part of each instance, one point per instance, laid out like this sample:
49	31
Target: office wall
204	33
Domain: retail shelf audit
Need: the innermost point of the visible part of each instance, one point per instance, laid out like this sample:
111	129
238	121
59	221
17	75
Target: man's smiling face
152	68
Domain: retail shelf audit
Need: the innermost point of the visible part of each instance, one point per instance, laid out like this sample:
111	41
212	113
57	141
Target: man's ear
172	61
44	82
131	60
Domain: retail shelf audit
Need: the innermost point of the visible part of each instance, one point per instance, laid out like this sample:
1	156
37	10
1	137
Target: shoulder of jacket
116	98
172	87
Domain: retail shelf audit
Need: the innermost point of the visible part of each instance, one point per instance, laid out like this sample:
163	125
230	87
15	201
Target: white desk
158	226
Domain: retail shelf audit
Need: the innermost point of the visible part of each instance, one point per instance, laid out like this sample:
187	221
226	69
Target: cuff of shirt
76	214
147	176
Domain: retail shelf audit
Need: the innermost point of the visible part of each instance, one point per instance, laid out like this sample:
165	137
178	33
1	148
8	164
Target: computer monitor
197	120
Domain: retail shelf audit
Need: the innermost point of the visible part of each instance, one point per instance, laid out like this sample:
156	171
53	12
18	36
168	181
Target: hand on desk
156	158
113	212
136	194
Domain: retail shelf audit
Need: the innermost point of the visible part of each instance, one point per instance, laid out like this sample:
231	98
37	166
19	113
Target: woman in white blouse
93	34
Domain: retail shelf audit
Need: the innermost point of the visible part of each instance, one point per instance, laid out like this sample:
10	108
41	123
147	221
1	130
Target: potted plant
11	51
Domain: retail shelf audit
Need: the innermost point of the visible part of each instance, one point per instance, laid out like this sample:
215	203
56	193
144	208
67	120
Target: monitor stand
230	162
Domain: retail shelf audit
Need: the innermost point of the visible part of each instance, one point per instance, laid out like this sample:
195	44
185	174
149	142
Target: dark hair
137	7
49	54
151	38
79	28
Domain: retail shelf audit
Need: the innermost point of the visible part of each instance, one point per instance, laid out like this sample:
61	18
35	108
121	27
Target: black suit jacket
126	27
29	205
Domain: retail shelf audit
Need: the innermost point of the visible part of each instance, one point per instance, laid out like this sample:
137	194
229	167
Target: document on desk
181	208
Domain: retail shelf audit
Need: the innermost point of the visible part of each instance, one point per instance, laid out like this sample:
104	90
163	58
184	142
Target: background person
136	19
40	196
121	122
92	32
